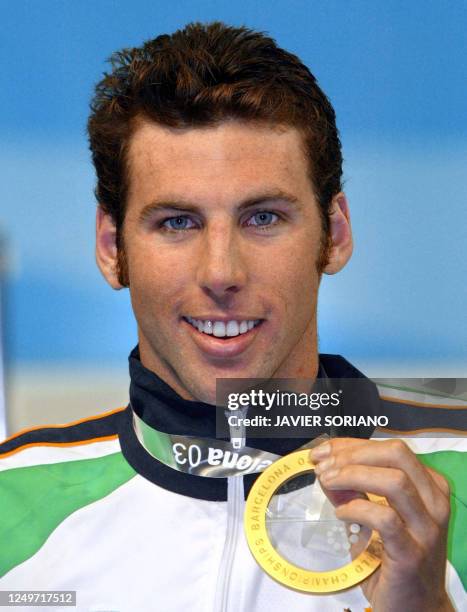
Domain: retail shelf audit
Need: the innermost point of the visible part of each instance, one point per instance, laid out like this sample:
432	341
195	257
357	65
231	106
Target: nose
221	270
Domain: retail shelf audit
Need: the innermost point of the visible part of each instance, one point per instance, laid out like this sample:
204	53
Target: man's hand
413	526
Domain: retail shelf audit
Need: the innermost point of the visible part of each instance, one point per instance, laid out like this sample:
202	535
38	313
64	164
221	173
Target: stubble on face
221	266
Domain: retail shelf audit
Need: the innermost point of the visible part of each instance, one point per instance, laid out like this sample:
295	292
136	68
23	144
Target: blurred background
396	74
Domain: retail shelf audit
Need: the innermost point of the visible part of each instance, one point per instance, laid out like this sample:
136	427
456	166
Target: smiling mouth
223	330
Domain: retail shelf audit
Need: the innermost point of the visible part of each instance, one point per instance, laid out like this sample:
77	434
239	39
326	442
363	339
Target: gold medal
276	565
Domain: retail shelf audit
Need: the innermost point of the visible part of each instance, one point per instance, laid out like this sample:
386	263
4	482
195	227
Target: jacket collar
160	407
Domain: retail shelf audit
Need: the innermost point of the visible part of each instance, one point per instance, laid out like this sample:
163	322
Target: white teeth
232	328
207	327
221	329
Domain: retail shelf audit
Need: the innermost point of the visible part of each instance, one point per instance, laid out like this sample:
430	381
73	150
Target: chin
206	396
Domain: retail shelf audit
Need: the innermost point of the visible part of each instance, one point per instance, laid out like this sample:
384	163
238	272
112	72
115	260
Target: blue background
396	74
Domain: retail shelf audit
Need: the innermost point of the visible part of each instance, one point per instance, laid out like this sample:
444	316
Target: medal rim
357	570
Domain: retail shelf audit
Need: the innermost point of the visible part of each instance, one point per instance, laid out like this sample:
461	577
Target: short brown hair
197	77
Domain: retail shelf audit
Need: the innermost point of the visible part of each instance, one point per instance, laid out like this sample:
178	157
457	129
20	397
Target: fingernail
329	475
321	452
322	466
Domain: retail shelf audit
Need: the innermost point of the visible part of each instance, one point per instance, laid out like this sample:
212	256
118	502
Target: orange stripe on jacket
77	443
396	400
36	427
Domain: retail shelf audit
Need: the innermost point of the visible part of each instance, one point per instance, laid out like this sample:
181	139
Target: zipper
235	506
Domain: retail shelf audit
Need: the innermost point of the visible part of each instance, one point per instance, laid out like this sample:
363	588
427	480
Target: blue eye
264	218
176	223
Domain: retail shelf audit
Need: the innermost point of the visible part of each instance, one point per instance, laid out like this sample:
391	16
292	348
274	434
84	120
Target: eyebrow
187	206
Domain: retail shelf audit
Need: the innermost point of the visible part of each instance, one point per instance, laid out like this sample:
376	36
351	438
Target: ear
106	248
341	243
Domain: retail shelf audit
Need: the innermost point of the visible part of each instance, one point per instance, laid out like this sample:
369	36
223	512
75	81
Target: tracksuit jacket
84	507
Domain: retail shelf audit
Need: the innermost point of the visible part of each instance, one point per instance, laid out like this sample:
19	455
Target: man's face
222	225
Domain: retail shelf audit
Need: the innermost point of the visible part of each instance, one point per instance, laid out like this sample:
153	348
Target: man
220	206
